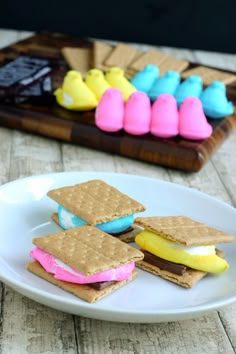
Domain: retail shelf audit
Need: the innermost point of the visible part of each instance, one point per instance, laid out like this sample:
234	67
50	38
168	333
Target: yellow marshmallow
97	83
169	251
115	77
74	93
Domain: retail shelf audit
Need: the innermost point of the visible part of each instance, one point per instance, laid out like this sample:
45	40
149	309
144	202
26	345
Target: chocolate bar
18	74
163	264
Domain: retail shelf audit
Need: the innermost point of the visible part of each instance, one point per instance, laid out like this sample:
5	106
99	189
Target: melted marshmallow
195	250
63	272
69	220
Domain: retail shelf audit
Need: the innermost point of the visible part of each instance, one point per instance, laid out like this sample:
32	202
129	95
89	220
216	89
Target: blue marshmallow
192	86
214	101
167	83
144	79
69	220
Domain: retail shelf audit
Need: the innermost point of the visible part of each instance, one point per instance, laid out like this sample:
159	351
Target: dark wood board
45	117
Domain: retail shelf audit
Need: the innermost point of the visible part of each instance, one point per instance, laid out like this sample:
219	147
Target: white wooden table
28	327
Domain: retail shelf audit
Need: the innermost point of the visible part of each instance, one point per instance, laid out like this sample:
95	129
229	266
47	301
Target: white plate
25	213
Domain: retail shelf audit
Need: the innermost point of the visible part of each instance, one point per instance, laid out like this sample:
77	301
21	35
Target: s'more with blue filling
99	204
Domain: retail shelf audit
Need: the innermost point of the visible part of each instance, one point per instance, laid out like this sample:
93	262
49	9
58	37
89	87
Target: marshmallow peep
167	83
109	114
137	114
97	83
164	117
75	94
116	78
214	101
192	86
193	123
144	79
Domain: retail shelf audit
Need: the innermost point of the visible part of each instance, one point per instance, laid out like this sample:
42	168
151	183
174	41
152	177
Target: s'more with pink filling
84	261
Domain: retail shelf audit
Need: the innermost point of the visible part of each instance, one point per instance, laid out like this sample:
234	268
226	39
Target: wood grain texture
48	119
27	327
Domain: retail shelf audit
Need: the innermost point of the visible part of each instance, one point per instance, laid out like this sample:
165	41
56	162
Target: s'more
84	261
180	249
99	204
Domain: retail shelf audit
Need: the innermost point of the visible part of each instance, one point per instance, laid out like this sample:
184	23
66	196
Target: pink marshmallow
109	114
66	273
193	123
165	117
137	114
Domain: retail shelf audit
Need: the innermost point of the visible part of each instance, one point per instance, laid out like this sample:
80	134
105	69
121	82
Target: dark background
208	25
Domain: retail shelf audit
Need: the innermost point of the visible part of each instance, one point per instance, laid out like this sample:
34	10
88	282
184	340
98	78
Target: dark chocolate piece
161	263
20	73
101	285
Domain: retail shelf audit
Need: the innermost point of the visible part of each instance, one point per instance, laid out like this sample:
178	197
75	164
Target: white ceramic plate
25	213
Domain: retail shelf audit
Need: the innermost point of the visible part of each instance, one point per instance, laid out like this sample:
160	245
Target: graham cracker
101	51
122	55
171	63
96	201
125	237
129	73
187	280
88	249
84	292
148	57
209	75
79	59
184	230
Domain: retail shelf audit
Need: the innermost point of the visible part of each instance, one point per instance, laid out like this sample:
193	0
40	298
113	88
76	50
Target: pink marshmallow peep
137	115
66	273
165	117
109	114
193	123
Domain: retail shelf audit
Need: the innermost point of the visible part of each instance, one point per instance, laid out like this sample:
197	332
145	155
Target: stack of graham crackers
104	56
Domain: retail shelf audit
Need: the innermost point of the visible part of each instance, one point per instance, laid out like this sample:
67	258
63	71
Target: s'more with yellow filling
180	249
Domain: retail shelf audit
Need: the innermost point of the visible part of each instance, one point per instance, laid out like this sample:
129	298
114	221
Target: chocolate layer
101	285
161	263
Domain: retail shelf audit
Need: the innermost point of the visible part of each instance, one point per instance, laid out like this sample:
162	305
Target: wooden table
28	327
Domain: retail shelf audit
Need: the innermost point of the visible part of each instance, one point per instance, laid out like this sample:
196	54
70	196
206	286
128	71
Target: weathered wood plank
26	326
33	155
77	158
199	336
29	327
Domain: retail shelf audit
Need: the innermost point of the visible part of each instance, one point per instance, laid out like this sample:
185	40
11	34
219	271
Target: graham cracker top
88	249
209	75
96	201
184	230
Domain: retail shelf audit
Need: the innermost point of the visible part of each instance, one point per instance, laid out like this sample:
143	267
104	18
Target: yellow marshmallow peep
75	94
97	83
197	257
116	78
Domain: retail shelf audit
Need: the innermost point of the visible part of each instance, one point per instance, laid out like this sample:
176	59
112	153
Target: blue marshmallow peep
167	83
144	79
215	102
192	86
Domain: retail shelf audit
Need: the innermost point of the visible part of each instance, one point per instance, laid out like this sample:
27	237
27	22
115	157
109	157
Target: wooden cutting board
45	117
